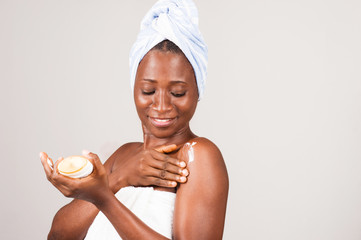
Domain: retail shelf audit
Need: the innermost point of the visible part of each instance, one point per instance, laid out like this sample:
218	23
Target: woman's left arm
95	189
200	206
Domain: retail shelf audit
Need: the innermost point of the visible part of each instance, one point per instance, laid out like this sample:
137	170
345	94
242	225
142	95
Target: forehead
159	65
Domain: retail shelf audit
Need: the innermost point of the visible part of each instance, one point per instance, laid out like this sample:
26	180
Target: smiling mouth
162	122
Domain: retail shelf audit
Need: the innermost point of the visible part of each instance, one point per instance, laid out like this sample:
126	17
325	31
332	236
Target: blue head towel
177	21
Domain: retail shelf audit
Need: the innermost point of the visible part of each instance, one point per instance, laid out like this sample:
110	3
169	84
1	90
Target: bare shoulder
203	150
121	152
201	144
127	147
204	159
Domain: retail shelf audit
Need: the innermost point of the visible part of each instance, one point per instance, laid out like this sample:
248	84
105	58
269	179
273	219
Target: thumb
166	148
93	158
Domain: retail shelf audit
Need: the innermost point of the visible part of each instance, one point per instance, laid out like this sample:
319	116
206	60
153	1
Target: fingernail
40	154
185	172
182	164
50	164
183	179
173	184
85	152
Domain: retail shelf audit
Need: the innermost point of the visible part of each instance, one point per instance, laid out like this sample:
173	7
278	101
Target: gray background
283	103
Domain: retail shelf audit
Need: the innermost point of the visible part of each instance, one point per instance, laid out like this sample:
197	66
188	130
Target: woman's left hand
92	188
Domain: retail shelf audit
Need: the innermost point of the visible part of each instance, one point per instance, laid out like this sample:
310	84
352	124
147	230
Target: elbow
59	235
53	235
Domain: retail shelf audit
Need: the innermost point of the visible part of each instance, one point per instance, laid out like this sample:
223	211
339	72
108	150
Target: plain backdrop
283	103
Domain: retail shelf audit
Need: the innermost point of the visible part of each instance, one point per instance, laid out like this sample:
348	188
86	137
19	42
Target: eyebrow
172	81
149	80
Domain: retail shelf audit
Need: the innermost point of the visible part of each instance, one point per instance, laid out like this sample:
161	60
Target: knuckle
162	174
143	173
142	168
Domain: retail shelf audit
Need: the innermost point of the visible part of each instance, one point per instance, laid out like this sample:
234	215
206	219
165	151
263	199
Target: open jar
75	167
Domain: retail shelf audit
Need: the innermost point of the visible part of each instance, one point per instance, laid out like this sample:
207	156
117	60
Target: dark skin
166	97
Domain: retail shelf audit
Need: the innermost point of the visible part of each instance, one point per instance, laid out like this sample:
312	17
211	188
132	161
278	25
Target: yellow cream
72	164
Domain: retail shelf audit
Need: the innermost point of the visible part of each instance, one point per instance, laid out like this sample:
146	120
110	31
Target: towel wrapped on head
177	21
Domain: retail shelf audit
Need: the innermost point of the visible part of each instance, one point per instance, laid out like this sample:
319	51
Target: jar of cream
75	167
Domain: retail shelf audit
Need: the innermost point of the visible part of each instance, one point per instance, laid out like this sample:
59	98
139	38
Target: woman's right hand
149	167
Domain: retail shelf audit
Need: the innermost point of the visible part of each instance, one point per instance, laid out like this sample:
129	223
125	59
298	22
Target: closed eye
148	92
178	94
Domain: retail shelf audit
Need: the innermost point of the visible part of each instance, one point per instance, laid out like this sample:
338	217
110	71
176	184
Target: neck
151	141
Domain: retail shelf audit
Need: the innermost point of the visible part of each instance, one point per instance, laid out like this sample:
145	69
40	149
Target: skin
165	88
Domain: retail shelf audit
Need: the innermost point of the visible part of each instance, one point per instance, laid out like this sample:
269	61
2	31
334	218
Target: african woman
174	184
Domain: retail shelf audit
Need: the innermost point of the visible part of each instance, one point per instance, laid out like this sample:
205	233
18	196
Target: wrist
116	185
105	200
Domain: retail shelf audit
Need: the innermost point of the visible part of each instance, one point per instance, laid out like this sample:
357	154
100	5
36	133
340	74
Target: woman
168	63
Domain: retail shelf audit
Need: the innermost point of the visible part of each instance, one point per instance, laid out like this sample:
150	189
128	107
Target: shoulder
124	149
201	149
128	147
204	144
204	159
121	152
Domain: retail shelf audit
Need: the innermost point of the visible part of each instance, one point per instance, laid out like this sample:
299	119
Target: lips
162	122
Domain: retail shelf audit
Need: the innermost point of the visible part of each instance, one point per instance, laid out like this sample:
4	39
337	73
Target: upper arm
200	205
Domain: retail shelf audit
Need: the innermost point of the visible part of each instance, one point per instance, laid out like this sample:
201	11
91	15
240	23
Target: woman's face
165	93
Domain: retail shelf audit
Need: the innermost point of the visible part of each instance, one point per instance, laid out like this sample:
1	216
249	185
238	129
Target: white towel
154	208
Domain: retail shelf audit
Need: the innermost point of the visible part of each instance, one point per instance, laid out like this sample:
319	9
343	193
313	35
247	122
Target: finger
49	160
164	157
164	175
44	161
169	167
167	148
59	181
94	159
50	163
161	182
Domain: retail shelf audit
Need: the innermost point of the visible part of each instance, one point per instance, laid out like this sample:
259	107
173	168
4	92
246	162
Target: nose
162	102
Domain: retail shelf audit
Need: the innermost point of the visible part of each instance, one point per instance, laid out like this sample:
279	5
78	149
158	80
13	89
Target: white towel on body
154	208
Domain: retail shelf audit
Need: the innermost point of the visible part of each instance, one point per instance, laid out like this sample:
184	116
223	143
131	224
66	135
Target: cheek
187	108
142	103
